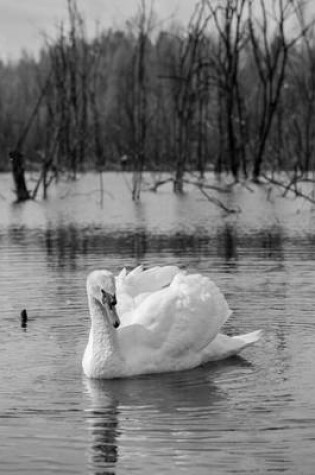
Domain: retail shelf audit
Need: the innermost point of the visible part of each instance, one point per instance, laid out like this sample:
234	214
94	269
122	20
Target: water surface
254	414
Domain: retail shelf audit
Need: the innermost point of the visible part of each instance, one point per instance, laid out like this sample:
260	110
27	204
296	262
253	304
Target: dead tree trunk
18	170
141	111
17	157
95	113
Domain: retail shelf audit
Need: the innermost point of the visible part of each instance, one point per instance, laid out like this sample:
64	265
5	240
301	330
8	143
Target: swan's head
101	287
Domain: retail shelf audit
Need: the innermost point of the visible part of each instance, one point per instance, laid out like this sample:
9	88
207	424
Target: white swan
168	321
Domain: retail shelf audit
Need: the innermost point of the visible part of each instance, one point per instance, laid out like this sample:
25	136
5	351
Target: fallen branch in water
197	183
219	203
201	185
291	186
159	183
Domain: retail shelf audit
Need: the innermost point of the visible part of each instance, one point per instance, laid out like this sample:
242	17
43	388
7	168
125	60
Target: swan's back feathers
139	281
203	306
183	317
134	287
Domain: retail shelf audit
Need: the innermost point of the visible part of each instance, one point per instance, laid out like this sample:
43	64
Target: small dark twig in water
24	319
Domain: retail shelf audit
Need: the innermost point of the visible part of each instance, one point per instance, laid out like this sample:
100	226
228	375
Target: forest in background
233	92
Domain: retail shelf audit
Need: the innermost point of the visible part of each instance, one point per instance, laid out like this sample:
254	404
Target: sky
24	23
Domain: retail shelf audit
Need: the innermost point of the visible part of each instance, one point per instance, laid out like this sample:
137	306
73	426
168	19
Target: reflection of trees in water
230	243
272	243
139	247
227	245
64	244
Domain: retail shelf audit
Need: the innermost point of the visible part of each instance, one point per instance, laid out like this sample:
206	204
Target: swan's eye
109	299
112	301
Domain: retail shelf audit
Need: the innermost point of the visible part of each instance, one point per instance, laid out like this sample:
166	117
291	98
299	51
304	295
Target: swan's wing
183	317
132	288
139	281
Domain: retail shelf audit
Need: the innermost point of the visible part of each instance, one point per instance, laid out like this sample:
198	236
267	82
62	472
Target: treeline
233	91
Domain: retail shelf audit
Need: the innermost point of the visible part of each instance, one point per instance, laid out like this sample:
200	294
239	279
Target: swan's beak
111	310
114	317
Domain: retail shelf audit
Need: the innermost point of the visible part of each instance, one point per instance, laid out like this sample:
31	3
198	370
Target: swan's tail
224	346
249	338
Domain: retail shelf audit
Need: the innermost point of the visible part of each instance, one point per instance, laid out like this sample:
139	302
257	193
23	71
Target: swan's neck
102	352
102	332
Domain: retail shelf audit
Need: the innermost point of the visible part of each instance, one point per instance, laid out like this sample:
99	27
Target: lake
250	414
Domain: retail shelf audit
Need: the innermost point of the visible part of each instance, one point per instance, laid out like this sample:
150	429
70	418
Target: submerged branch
199	184
159	183
219	203
291	186
201	187
196	183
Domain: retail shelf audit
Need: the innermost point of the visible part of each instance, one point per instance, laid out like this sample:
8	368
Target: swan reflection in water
132	421
102	419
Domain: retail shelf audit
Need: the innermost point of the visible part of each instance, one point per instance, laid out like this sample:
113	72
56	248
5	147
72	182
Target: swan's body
169	321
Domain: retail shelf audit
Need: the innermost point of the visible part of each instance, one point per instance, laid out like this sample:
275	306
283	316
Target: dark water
254	414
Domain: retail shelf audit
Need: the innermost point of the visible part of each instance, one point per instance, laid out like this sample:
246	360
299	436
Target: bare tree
300	84
271	44
185	73
144	24
70	60
95	83
229	20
